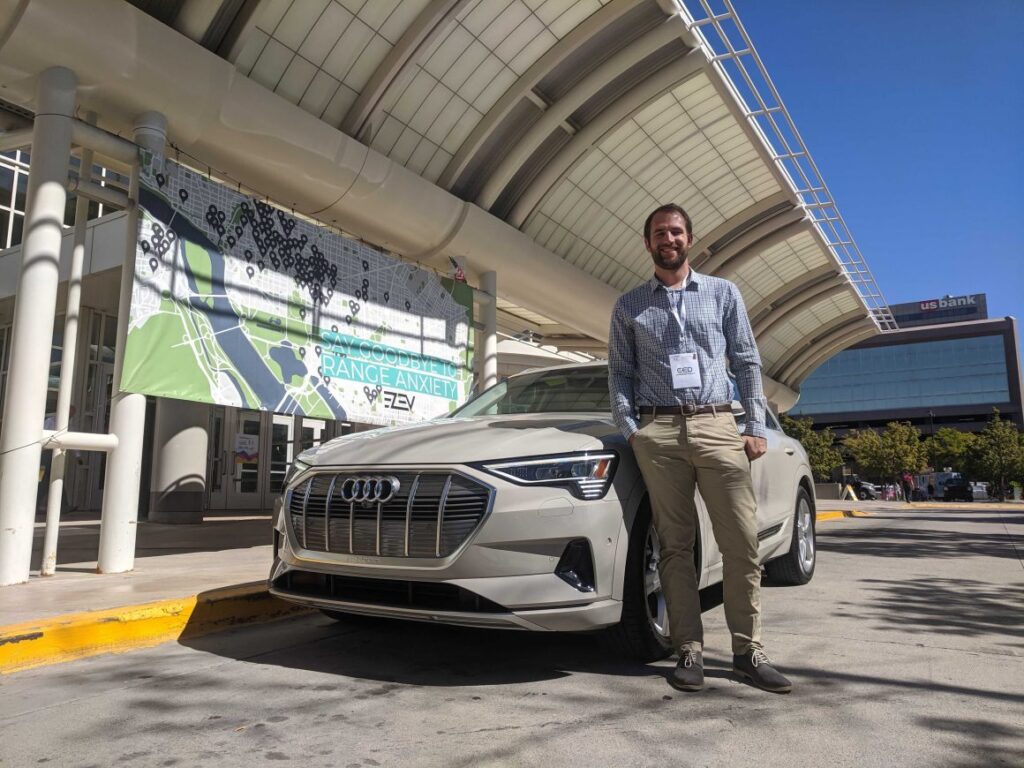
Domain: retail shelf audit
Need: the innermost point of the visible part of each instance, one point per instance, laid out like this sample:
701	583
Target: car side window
773	423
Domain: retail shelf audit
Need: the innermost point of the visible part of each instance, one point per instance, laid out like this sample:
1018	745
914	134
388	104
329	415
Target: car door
774	477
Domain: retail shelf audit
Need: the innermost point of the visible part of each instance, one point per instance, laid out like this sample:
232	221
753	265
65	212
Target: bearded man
671	393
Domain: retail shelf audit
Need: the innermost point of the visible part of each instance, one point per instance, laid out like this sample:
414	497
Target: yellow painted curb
116	630
839	514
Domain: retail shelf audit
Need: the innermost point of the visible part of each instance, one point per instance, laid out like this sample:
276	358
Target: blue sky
914	112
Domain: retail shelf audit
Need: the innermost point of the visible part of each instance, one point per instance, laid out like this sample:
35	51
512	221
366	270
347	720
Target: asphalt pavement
907	649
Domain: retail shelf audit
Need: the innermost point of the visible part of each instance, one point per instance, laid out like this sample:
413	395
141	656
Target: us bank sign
950	302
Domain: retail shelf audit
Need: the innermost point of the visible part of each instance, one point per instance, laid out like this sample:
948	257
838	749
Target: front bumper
502	576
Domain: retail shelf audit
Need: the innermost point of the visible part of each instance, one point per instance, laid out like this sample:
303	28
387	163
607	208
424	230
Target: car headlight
297	468
585	475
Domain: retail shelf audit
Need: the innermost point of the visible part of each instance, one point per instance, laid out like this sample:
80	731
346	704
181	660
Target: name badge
685	370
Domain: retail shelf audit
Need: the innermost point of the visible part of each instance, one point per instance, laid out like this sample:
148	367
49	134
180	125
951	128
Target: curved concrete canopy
800	302
441	90
827	335
807	280
864	330
768	233
777	343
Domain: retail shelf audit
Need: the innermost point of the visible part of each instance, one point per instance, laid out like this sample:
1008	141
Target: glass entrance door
250	453
282	453
217	464
245	489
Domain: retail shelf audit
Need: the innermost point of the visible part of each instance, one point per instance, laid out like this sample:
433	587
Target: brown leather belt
684	410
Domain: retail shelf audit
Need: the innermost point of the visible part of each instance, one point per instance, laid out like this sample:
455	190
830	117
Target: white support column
127	410
178	484
489	348
67	369
32	333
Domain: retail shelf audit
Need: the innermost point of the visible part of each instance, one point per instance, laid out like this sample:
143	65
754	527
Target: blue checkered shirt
644	332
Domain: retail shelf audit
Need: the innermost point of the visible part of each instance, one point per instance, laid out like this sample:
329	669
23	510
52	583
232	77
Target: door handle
790	451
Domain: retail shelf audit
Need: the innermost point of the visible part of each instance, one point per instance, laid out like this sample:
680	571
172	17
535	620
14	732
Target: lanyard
675	306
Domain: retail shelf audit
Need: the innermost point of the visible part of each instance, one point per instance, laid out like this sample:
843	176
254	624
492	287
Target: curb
73	636
117	630
839	514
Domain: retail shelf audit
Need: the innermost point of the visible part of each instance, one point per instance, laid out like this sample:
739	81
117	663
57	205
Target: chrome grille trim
431	517
327	513
305	505
440	514
408	512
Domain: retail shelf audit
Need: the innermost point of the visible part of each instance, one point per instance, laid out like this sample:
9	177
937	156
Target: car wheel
863	495
797	566
643	632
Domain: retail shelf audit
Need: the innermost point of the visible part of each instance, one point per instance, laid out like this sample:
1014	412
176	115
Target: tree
998	457
888	454
822	457
950	447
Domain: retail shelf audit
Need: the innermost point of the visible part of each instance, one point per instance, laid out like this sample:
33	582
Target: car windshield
573	390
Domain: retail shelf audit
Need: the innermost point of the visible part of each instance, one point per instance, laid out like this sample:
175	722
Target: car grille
431	515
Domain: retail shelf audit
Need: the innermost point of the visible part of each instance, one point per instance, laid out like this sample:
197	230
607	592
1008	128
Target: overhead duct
128	63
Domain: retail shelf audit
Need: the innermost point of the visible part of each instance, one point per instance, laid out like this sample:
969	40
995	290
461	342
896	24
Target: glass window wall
927	374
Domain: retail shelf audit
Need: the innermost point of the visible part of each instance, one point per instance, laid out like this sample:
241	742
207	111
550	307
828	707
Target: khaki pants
677	455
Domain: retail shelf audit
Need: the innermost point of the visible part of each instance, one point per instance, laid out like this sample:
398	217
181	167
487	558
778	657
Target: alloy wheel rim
654	596
805	535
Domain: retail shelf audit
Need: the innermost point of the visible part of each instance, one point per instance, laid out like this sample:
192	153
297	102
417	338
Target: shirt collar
692	278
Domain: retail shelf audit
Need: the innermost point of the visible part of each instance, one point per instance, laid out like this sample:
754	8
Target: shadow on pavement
990	744
416	653
920	543
962	607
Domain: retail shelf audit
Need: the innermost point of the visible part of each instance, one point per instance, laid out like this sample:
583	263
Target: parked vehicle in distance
957	488
865	491
524	509
979	491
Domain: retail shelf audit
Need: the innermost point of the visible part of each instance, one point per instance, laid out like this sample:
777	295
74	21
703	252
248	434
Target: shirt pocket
653	332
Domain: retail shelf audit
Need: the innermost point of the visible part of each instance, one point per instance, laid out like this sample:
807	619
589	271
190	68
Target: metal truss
731	52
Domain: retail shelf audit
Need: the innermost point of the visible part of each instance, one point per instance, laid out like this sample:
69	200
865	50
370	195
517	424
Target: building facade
951	374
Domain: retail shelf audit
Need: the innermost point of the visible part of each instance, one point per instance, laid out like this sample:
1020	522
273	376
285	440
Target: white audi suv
524	509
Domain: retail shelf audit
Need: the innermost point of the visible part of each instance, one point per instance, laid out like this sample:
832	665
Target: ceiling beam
801	302
436	18
755	212
765	235
622	109
521	88
556	114
807	280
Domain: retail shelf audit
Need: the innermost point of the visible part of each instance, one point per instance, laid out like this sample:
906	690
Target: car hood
466	440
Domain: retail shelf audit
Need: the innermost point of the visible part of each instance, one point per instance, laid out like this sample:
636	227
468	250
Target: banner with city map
236	302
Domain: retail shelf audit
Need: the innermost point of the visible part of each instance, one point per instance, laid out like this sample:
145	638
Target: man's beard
670	261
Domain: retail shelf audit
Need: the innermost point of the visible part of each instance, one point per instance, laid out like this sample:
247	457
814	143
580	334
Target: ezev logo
398	401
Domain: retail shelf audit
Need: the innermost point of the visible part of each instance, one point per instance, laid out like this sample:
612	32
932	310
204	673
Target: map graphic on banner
236	302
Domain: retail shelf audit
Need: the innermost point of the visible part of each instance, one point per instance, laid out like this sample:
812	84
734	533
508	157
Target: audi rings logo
376	489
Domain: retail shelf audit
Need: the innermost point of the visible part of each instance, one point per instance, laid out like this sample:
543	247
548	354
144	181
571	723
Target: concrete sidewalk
188	579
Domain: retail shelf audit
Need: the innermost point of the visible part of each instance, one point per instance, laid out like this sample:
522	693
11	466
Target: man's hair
667	208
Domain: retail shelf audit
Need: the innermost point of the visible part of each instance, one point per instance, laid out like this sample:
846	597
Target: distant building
949	309
950	374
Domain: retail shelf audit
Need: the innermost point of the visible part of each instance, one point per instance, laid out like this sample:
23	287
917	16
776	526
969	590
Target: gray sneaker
689	672
756	667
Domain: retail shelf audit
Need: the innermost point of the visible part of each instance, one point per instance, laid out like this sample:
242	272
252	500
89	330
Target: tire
642	633
863	495
796	567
